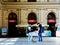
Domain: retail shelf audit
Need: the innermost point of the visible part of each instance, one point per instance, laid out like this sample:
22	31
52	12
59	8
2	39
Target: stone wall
22	12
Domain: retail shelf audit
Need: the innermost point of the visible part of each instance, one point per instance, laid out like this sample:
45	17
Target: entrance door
12	22
32	19
51	21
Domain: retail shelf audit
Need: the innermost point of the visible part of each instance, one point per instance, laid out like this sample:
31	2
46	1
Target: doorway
51	21
12	22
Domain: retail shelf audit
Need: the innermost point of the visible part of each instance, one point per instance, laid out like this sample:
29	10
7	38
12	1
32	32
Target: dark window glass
47	0
51	16
31	0
12	0
9	0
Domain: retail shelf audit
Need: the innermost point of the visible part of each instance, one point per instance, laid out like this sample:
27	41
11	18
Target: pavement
23	41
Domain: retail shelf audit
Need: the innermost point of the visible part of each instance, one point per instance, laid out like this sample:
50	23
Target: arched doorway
12	22
32	19
51	21
51	18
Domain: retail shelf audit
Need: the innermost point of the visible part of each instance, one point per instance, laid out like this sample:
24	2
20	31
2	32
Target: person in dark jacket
39	32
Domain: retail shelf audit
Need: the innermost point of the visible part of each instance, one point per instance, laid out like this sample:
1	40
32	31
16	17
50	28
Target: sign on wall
11	20
51	21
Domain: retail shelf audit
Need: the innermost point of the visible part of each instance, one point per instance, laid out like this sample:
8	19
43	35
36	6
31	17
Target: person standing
28	32
39	32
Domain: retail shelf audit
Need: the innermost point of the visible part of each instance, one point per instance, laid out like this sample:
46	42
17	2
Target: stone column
19	16
43	16
23	16
39	15
0	18
58	18
4	17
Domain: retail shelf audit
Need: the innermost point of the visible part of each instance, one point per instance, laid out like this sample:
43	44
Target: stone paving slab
23	41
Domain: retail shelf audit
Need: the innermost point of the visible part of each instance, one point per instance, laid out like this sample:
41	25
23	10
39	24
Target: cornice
30	3
30	6
26	5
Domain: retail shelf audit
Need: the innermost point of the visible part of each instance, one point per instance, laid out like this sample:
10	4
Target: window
32	19
4	0
0	0
47	0
10	0
58	0
31	0
52	0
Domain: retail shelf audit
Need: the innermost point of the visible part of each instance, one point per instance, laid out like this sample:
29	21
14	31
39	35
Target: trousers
30	37
39	36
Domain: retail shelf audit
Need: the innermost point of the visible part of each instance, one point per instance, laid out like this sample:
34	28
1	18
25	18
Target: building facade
22	9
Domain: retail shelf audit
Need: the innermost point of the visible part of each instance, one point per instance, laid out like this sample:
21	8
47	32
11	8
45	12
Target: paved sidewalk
23	41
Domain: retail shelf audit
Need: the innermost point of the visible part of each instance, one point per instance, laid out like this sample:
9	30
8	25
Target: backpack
42	29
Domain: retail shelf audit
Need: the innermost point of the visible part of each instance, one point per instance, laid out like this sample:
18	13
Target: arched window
32	18
51	15
12	15
51	18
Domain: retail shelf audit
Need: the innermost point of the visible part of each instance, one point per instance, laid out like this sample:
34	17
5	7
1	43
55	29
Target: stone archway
51	18
32	19
51	21
12	22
